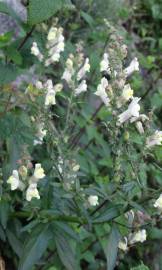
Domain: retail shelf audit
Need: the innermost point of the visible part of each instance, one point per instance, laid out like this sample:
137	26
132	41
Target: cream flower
69	70
55	45
52	34
132	111
39	85
123	245
139	236
127	92
35	51
155	139
134	66
158	203
101	91
139	127
50	96
83	70
58	87
39	171
82	87
14	180
41	133
32	192
104	64
93	200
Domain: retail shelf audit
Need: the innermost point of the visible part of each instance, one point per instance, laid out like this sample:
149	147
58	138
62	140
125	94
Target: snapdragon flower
38	171
155	139
35	51
139	127
139	236
134	66
69	70
132	111
101	91
123	244
39	85
14	180
82	87
93	200
32	192
127	92
104	64
158	203
50	96
41	133
58	87
83	70
55	45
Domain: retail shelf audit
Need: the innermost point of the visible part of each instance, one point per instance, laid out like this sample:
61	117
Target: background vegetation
139	23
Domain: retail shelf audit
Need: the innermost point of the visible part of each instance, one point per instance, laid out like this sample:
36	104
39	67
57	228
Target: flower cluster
27	183
138	236
54	46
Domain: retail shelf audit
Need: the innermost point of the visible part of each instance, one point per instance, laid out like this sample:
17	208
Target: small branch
26	38
81	131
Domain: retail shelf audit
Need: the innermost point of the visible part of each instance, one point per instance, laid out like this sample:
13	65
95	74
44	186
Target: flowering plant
75	143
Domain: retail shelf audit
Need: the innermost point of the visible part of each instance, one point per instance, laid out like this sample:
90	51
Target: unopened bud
126	136
23	171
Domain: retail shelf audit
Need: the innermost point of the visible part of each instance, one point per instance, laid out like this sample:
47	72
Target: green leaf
8	73
66	229
107	215
34	247
2	234
4	213
140	267
40	10
14	242
112	248
88	19
65	251
14	55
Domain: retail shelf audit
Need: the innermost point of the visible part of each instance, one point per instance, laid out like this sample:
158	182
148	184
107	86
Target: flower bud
126	136
23	171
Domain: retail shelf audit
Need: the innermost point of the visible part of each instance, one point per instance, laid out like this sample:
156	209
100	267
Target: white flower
104	64
127	92
158	203
85	68
52	34
139	236
39	85
134	66
139	127
82	87
76	168
101	91
38	172
35	51
69	70
123	245
155	139
55	45
60	164
13	180
93	200
141	117
40	134
58	87
50	96
132	111
32	192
